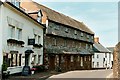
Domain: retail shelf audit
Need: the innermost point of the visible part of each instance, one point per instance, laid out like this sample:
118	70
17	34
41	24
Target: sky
100	17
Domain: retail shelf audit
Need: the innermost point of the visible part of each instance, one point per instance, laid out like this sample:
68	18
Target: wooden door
52	62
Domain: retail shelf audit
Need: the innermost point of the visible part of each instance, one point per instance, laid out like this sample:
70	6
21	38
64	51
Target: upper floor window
81	34
75	32
92	37
35	37
66	30
88	36
57	27
90	46
106	55
79	45
86	46
39	39
65	43
12	31
97	56
19	33
54	41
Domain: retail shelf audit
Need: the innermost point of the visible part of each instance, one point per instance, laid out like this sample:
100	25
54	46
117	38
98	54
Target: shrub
4	66
40	68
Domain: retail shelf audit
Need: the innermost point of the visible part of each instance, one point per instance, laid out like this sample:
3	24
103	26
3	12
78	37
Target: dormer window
16	3
39	14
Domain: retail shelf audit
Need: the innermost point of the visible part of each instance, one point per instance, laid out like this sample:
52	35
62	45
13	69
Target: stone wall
116	63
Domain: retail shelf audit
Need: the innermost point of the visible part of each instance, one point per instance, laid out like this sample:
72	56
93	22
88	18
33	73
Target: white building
102	57
111	49
17	30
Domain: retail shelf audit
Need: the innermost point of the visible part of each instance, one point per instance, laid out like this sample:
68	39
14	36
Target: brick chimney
96	39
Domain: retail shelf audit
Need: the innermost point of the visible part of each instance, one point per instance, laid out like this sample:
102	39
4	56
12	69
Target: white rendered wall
1	31
102	63
27	31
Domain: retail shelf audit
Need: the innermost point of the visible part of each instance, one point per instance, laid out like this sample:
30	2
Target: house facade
111	49
102	57
21	39
68	43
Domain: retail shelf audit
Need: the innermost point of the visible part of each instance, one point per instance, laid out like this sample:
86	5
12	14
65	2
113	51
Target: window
39	39
90	46
34	59
73	44
78	58
93	64
97	56
13	59
75	32
19	33
71	58
85	58
89	58
92	37
105	55
65	42
86	46
16	3
35	36
81	34
66	30
79	45
109	55
97	64
81	64
20	59
57	27
12	31
87	36
39	56
54	41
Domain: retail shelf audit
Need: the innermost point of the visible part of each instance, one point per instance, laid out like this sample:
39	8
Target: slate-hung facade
68	43
17	28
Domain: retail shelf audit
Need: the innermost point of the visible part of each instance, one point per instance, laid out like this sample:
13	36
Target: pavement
104	74
37	76
70	75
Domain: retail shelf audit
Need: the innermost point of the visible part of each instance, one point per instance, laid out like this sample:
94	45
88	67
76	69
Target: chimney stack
96	39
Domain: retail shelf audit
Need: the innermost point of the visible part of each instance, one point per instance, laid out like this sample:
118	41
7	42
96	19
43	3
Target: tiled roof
97	47
63	19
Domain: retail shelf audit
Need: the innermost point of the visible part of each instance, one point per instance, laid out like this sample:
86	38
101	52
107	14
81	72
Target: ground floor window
33	59
81	61
71	58
12	59
39	56
93	64
97	64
